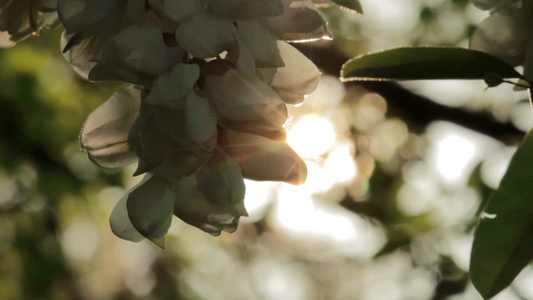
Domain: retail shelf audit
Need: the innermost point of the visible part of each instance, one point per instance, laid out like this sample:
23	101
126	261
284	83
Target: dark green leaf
503	243
414	63
351	5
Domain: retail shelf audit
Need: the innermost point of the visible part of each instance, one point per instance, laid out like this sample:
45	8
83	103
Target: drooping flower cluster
211	80
507	33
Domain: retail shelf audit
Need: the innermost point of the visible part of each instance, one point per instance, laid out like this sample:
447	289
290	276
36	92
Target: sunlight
295	210
340	164
317	180
453	154
311	136
258	196
334	230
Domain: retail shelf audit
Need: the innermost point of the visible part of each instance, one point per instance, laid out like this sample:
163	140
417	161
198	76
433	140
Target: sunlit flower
210	108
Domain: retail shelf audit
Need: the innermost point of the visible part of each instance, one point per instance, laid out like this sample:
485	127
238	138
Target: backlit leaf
414	63
503	243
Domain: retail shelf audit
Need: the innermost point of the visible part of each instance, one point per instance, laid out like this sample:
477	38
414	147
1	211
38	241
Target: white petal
261	43
120	221
179	10
253	9
172	86
5	40
135	12
150	208
221	180
153	144
80	56
245	102
85	18
205	35
136	54
264	159
241	56
141	48
503	35
298	78
212	199
200	119
301	22
223	6
104	135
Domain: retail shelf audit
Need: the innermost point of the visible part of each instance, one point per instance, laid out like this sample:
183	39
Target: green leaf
414	63
503	243
350	5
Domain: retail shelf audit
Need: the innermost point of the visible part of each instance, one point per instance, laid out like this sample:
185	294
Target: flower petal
301	22
85	18
261	43
253	9
205	35
177	10
153	145
80	56
212	199
245	103
120	220
503	35
264	159
200	118
175	85
223	6
298	78
150	208
104	135
5	40
241	56
137	51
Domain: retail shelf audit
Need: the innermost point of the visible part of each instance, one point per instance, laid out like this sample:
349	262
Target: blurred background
397	173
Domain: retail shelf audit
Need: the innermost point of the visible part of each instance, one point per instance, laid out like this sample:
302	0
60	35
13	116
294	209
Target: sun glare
453	154
311	136
340	164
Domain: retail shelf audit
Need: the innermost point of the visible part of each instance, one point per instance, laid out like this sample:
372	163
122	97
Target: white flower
211	199
211	108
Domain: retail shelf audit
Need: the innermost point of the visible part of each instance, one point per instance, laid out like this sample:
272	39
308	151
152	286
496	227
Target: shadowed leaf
503	243
415	63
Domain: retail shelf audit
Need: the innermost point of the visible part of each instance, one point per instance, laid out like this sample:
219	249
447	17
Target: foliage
503	241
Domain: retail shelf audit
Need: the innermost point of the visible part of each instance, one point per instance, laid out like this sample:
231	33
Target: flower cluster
21	19
207	105
507	33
